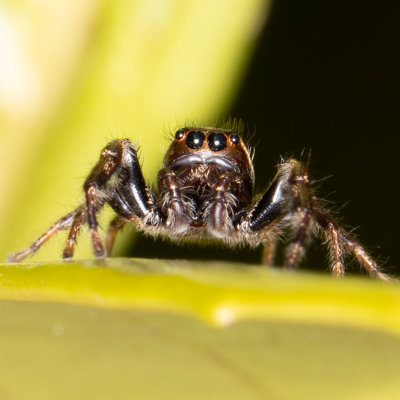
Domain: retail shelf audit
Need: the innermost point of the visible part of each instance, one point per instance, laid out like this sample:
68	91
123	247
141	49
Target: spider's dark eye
234	139
216	141
195	139
179	135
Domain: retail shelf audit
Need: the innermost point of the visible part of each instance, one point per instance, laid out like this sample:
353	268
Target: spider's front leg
290	204
117	180
126	192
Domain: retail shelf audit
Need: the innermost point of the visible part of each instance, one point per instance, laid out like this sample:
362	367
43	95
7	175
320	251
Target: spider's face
209	146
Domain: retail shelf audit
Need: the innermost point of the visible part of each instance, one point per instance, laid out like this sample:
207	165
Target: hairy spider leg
266	212
127	194
94	187
300	235
301	222
290	199
116	224
268	253
341	242
63	223
352	246
73	233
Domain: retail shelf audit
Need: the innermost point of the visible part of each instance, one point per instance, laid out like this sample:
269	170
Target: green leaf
166	329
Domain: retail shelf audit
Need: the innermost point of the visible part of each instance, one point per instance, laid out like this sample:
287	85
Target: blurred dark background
325	77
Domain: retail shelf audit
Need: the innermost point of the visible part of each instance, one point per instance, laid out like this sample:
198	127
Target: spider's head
209	146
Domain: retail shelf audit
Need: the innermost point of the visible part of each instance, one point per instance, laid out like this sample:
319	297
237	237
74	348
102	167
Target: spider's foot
66	257
99	253
20	255
381	276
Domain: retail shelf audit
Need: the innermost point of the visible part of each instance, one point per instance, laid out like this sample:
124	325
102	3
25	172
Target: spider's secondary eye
234	139
195	139
216	141
179	135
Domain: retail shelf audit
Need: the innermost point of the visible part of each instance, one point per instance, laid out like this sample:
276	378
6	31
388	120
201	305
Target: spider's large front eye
216	141
195	139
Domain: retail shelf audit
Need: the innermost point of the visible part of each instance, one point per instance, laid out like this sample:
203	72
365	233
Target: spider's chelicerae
206	190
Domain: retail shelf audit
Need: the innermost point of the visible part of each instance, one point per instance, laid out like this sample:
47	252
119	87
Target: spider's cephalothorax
205	190
207	178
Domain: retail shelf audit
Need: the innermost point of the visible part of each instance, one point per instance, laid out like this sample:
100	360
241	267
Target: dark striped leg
110	160
76	225
363	257
336	250
290	198
301	221
116	224
91	206
268	253
63	223
117	155
128	194
340	242
301	231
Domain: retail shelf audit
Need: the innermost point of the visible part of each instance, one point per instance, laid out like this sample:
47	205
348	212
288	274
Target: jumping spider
205	190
